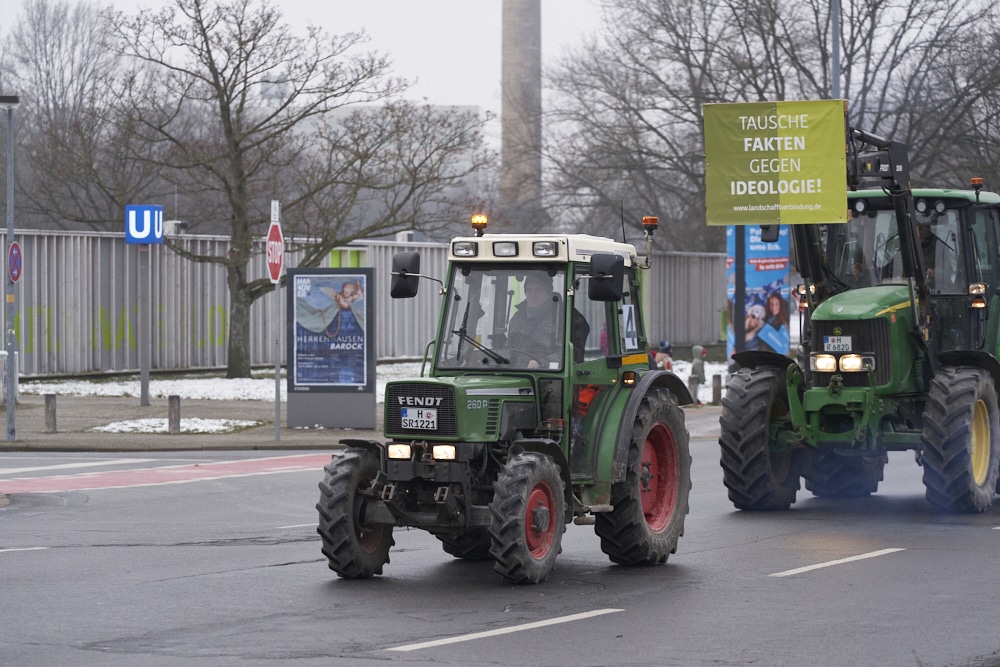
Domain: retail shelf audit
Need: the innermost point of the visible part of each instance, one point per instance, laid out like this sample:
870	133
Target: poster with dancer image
331	342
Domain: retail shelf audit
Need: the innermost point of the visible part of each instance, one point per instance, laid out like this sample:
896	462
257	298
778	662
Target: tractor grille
398	396
493	418
868	337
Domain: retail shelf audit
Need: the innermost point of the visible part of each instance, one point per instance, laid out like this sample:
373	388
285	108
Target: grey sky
451	48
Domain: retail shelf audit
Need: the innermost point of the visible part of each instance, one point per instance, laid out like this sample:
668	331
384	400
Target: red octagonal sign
275	252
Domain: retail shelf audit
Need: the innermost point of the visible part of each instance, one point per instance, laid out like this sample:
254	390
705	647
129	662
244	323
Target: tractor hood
865	303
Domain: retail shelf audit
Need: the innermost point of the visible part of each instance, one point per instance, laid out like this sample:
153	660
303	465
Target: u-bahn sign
143	224
769	163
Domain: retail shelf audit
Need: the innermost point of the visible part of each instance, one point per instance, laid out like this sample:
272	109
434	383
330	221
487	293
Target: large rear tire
528	518
961	449
757	477
832	475
354	551
651	503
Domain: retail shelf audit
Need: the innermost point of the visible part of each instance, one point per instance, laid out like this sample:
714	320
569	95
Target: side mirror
607	273
405	275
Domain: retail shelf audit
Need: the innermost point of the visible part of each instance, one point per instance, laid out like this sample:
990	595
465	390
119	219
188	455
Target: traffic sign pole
275	253
9	102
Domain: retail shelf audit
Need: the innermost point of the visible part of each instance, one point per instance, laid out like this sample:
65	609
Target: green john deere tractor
899	349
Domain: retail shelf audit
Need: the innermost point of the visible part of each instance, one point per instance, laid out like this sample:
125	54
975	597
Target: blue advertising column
331	348
143	227
764	312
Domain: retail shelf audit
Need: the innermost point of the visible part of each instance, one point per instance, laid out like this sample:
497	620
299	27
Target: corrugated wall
77	303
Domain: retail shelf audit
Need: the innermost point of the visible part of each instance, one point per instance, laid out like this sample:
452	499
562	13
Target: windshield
865	251
509	316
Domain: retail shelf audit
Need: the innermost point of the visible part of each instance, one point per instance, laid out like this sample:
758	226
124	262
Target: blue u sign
143	224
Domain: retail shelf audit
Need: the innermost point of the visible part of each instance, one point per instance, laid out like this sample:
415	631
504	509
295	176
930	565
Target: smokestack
521	116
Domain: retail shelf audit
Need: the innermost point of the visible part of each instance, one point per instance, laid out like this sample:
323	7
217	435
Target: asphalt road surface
212	559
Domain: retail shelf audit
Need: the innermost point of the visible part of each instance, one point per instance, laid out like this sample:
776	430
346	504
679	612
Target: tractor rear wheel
961	440
528	518
757	477
650	504
354	550
473	545
831	475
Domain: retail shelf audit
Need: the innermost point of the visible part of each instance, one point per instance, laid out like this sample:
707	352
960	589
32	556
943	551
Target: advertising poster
765	306
770	163
331	341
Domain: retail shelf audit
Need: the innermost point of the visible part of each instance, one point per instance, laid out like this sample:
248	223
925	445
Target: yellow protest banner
769	163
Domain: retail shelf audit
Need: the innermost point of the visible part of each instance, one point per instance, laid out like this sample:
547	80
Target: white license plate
837	343
424	418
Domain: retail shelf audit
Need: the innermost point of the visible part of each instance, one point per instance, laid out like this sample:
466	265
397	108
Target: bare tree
238	110
62	62
629	107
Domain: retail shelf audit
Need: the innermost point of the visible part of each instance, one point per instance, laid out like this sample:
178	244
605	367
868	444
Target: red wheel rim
659	477
540	520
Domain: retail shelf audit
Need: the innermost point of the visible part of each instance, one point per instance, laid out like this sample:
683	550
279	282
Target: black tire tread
744	438
349	470
625	535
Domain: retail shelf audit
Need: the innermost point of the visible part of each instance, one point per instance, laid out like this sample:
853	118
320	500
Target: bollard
50	413
716	389
174	415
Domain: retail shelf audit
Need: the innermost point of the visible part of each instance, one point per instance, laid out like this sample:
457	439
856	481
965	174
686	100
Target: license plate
422	418
837	343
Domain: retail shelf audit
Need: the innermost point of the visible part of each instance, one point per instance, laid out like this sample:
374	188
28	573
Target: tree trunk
238	361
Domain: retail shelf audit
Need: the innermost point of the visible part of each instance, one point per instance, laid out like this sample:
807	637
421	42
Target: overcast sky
450	48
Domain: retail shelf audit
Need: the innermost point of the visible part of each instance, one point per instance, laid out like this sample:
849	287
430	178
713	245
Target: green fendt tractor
899	349
539	409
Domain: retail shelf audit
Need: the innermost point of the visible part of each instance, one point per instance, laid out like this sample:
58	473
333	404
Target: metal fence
77	302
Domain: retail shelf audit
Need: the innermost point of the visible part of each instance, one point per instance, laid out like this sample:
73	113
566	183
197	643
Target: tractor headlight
465	248
823	363
398	451
505	249
544	249
444	452
855	363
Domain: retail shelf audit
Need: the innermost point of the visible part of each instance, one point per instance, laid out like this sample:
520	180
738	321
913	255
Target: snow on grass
194	425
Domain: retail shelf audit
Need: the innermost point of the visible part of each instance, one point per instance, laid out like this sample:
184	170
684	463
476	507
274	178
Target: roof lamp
505	249
544	249
479	223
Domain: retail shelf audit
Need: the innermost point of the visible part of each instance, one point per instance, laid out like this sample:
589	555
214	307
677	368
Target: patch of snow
194	425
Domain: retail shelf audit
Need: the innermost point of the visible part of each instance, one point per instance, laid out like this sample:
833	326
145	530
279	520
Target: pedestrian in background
664	357
697	377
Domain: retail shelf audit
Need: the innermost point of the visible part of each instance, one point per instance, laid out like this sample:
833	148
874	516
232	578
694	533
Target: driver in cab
531	330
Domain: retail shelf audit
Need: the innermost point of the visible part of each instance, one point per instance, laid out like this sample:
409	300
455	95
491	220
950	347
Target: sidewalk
76	416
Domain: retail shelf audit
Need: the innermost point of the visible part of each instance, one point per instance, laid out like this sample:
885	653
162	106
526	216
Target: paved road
225	569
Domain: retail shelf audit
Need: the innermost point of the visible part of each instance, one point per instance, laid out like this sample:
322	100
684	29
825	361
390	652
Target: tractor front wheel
961	449
354	550
528	518
650	504
757	477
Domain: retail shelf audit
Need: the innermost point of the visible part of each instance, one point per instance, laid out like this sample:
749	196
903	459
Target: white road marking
298	525
3	551
505	631
817	566
70	466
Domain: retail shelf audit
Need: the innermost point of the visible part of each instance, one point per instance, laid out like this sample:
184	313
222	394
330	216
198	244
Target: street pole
9	102
835	51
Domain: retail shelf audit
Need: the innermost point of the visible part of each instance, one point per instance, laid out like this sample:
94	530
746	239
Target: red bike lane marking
115	479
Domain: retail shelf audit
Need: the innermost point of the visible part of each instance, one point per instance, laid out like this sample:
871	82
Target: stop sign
275	252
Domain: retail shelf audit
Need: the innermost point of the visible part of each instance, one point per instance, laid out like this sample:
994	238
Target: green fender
627	406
